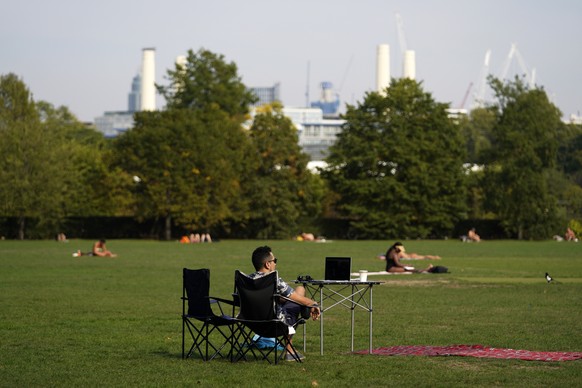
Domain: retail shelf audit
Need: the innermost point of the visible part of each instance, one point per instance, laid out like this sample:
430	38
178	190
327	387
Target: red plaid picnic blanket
473	351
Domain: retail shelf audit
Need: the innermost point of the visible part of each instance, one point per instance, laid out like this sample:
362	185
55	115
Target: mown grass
68	321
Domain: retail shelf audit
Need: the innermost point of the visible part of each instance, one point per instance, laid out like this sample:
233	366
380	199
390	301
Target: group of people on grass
195	238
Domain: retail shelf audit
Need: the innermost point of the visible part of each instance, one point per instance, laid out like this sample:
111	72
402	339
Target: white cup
363	275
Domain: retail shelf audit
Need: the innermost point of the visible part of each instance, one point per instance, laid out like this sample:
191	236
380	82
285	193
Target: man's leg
291	311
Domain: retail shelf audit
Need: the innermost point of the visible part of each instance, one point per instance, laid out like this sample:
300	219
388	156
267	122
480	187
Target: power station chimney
181	60
382	68
409	66
148	79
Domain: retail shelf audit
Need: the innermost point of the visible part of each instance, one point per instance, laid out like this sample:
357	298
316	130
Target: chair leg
183	334
197	336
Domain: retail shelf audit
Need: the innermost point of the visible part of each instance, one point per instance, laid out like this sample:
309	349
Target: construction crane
514	52
400	32
479	96
464	101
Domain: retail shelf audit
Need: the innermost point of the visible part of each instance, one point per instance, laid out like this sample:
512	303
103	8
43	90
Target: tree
570	152
191	158
476	129
523	152
187	170
36	171
207	81
397	166
285	196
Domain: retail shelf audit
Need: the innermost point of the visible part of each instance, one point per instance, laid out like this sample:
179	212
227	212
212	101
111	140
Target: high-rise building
141	97
267	95
134	97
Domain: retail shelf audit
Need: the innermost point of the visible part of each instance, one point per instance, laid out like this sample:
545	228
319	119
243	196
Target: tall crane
400	32
514	52
464	101
479	97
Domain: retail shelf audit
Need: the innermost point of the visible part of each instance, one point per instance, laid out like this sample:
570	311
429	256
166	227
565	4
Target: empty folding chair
200	320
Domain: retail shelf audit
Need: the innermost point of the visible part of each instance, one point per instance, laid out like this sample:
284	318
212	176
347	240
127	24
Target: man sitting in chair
265	262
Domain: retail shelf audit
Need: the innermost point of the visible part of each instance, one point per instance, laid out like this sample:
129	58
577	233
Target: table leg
353	315
321	320
371	309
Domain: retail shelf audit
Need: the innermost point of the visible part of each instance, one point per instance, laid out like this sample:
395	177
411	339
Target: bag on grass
438	269
264	342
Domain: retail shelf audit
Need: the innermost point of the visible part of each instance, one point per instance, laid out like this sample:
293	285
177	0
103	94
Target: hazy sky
84	54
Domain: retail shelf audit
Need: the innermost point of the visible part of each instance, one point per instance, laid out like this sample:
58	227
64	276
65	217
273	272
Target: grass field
88	321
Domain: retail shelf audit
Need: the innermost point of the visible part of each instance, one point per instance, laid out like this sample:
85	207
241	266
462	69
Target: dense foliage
284	195
398	165
523	153
43	159
401	168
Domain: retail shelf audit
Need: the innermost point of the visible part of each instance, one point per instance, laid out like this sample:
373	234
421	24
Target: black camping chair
195	294
257	314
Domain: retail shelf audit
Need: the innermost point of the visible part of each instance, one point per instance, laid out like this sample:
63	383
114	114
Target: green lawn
88	321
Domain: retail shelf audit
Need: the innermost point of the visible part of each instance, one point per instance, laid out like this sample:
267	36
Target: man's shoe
290	357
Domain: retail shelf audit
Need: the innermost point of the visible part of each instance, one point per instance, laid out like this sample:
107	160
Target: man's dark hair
260	256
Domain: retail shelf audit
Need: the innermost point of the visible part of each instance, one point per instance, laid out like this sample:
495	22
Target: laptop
338	268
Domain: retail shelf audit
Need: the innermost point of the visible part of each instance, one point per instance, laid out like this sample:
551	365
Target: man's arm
306	302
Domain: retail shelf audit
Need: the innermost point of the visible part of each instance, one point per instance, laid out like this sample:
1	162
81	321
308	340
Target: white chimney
148	79
409	66
382	68
181	60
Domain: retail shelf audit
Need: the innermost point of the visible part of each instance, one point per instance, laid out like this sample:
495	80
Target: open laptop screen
338	268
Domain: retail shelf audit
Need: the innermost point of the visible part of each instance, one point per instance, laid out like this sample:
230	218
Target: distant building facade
114	123
316	133
266	95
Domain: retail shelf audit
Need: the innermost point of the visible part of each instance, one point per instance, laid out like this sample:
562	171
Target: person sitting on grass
393	261
570	235
265	262
473	236
99	249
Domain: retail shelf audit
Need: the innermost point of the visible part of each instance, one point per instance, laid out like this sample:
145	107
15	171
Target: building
316	133
111	124
267	95
330	102
142	97
134	97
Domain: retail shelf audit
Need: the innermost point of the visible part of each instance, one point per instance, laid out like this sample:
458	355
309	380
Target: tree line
400	168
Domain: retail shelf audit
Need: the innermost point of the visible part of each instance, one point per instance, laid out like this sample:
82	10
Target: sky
84	55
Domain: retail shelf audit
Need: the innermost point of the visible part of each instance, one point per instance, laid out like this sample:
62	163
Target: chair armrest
218	301
230	302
